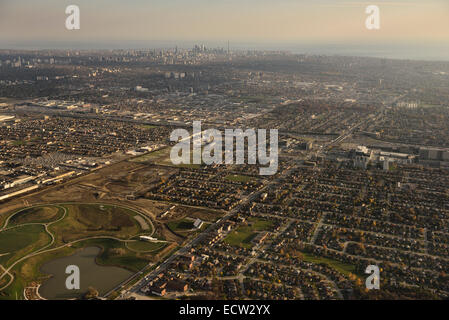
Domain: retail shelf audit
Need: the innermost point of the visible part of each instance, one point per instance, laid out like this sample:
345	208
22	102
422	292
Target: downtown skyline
409	28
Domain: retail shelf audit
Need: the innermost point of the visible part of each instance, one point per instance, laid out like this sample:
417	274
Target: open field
42	214
258	224
144	246
162	157
241	237
19	241
239	178
184	227
165	160
181	225
160	154
87	220
341	267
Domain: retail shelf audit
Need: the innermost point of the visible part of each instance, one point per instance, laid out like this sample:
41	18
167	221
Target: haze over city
409	28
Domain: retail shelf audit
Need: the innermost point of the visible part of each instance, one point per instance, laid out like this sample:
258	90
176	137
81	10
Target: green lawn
180	225
43	214
161	153
241	237
104	216
14	239
260	224
145	246
13	291
244	234
87	220
166	161
341	267
162	157
239	178
20	241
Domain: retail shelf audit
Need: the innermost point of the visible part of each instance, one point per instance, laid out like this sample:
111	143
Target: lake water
102	278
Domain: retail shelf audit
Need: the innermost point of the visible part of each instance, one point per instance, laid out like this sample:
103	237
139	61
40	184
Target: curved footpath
46	225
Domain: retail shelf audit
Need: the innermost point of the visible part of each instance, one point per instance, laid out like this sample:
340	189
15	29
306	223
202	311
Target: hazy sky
240	21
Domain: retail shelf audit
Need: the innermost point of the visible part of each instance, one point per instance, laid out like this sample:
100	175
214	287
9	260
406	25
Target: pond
102	278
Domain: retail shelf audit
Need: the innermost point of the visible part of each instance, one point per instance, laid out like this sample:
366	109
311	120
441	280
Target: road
184	250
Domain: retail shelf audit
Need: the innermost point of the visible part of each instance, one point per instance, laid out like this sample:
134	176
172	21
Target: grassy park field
243	235
162	157
341	267
185	228
181	225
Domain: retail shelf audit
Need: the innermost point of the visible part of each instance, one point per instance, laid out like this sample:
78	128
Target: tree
91	293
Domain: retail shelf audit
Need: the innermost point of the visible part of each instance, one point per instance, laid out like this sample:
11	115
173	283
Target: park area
243	235
33	236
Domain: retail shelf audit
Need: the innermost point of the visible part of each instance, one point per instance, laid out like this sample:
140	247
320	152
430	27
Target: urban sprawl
362	179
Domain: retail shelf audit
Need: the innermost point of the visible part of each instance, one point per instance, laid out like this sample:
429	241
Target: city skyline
285	25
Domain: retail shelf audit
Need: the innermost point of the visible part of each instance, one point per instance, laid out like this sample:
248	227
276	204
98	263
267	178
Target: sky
250	23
